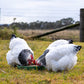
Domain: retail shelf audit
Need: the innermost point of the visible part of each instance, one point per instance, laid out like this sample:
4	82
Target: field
11	75
66	34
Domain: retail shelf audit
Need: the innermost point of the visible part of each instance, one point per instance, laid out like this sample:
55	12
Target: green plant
5	33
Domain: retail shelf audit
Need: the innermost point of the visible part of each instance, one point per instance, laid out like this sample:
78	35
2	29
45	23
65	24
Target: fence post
82	25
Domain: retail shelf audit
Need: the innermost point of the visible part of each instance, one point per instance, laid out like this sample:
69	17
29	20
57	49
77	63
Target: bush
5	33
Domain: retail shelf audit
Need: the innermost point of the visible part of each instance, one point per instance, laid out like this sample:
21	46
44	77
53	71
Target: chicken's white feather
61	58
16	45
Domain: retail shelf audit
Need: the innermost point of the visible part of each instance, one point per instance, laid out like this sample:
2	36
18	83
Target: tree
43	25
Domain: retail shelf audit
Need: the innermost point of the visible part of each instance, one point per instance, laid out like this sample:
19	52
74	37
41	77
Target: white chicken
62	57
20	53
52	45
59	58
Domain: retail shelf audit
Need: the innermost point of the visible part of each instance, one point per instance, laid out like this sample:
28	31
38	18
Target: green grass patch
11	75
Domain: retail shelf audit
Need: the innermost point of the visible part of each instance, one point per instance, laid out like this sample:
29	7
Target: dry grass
66	34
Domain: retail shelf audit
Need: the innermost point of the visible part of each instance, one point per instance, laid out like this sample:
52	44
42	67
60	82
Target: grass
11	75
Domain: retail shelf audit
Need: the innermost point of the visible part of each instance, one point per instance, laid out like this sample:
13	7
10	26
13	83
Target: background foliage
42	25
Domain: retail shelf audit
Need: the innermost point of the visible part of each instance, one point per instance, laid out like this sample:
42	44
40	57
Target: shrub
5	33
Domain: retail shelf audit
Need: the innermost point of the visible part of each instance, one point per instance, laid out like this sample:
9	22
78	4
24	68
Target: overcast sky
42	10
